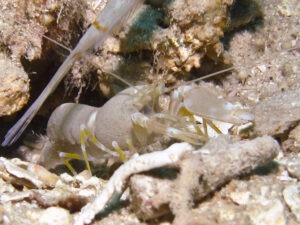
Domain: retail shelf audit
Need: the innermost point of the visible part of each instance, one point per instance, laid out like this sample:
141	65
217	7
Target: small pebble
55	216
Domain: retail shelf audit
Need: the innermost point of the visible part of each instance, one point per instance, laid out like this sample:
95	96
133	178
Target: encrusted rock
14	86
172	36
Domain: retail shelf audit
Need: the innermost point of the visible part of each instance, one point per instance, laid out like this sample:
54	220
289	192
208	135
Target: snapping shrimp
131	119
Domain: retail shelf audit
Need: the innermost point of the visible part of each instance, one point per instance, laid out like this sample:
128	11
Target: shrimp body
131	117
64	123
110	122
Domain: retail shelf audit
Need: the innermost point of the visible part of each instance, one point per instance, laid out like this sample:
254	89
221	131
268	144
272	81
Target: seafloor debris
72	193
29	195
201	172
256	201
263	66
27	174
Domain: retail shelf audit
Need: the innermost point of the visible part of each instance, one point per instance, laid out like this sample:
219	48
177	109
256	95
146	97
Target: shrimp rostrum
132	119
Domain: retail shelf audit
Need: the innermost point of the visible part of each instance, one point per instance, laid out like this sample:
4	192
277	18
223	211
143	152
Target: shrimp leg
160	128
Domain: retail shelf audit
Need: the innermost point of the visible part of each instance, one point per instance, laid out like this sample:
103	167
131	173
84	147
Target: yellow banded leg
95	142
66	156
206	122
159	128
85	134
185	112
213	126
119	150
83	148
205	128
69	166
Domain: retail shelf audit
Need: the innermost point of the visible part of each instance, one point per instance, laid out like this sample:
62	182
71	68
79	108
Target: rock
178	34
293	141
294	169
277	114
55	216
14	87
267	212
291	196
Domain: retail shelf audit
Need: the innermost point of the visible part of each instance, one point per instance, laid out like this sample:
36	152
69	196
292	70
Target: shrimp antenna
107	22
211	75
201	78
57	43
118	77
49	39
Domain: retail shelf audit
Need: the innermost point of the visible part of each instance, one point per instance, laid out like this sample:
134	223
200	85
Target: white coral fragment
116	184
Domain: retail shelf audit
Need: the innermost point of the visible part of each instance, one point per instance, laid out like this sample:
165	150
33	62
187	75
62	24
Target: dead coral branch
117	183
213	165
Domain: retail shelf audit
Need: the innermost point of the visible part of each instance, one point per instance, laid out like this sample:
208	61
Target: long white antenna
109	19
